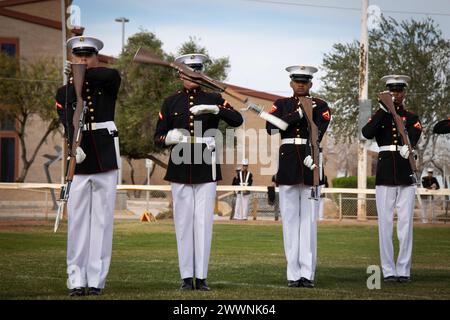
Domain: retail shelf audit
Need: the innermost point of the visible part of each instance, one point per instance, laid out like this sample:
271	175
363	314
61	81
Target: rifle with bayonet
386	99
78	72
185	73
306	106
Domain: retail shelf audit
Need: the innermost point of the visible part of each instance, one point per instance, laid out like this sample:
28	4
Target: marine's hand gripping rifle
145	56
78	71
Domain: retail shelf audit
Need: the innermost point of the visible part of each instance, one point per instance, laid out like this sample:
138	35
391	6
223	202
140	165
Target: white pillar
363	97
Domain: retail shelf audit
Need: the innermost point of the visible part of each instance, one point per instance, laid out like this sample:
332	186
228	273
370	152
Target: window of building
10	46
9	149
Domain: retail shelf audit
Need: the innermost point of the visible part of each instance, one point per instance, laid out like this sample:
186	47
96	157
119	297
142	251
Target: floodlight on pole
123	20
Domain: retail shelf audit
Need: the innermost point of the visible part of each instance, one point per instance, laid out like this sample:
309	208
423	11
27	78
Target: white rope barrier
220	188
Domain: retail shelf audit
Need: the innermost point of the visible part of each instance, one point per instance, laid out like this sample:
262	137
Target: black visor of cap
301	77
396	86
84	50
196	66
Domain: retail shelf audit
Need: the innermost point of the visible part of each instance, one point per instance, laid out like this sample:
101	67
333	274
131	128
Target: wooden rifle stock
305	104
145	56
78	71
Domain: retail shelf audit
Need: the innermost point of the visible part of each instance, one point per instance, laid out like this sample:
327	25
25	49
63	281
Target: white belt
110	125
206	140
389	148
304	141
294	141
210	144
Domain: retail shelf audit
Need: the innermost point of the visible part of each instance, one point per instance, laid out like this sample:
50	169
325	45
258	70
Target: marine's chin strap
183	77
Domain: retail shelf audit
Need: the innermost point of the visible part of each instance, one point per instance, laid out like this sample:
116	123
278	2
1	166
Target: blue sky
260	38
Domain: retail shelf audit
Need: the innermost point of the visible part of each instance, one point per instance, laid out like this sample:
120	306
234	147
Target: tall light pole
123	20
363	104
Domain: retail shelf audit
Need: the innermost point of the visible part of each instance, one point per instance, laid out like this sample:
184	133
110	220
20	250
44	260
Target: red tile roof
106	59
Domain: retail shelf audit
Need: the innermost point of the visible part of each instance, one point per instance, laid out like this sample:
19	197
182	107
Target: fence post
340	206
46	205
255	207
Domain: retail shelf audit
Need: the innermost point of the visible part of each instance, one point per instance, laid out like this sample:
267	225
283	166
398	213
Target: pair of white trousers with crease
90	228
427	204
400	198
299	215
241	208
193	212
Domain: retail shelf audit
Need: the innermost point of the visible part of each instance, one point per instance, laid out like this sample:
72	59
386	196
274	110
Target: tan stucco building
32	28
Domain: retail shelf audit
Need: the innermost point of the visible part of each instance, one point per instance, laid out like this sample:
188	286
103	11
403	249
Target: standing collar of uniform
400	107
192	91
307	96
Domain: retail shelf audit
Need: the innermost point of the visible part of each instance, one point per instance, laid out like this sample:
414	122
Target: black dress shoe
200	284
404	279
293	284
76	292
390	279
305	283
187	284
94	291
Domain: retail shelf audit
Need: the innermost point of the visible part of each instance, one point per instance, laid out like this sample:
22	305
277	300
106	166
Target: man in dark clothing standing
394	185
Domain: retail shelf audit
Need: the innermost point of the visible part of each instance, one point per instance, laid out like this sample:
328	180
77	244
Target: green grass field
247	262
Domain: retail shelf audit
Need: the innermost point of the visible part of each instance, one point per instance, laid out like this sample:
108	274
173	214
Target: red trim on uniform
417	125
274	108
370	119
160	115
326	115
58	105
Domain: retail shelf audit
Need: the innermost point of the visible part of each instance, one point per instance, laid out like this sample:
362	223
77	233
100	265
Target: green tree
214	68
143	90
415	48
27	90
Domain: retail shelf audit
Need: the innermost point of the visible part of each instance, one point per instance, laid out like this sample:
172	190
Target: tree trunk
130	163
53	125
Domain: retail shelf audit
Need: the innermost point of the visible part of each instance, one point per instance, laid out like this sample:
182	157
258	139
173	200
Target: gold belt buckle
191	139
297	140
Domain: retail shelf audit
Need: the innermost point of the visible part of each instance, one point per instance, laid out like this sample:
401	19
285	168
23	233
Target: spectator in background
429	182
273	199
321	200
245	178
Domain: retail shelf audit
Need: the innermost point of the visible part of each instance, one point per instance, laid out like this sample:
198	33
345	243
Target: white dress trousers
241	207
299	215
193	212
401	198
427	205
90	228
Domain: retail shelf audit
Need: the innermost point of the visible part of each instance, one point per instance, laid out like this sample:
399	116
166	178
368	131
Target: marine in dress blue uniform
295	177
93	190
394	185
187	124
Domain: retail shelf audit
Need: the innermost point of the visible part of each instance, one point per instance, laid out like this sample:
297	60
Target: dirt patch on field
24	224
